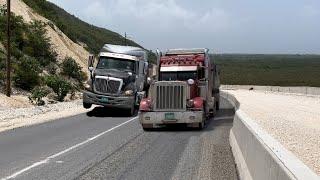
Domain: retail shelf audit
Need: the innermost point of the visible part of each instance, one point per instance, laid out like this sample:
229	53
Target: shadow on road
224	117
108	112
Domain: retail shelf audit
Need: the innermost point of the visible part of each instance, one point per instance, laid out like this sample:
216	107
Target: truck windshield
178	76
117	64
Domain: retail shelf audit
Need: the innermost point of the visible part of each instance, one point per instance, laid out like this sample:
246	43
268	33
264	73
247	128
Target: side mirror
90	63
146	68
218	70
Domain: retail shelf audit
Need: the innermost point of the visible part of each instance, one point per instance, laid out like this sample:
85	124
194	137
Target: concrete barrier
257	154
294	90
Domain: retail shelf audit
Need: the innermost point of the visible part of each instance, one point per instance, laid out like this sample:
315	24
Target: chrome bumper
124	102
158	118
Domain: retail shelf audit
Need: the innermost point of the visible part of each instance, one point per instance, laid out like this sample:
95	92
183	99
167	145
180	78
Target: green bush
71	68
52	68
59	86
18	28
37	94
30	47
37	44
27	73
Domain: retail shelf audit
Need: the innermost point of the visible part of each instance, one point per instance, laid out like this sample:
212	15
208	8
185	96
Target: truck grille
170	96
107	85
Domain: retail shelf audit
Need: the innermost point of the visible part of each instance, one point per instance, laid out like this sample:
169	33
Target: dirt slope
60	42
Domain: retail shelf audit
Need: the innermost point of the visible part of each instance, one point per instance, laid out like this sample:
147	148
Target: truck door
141	76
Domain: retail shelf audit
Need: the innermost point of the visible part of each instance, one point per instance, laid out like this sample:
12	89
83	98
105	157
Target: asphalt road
98	145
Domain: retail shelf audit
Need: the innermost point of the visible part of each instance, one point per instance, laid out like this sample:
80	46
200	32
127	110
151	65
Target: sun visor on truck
178	68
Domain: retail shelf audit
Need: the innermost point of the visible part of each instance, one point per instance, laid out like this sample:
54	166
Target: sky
223	26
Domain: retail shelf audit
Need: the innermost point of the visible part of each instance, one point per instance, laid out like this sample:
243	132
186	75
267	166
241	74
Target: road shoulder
12	118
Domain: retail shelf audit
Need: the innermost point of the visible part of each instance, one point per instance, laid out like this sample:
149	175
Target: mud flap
139	97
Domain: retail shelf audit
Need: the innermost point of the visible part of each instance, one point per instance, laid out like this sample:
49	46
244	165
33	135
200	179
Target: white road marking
223	117
46	160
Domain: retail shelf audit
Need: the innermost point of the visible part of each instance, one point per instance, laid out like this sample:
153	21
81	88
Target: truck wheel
87	105
147	127
201	126
203	123
131	111
217	105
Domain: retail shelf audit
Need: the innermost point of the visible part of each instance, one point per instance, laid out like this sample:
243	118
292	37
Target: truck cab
117	79
183	91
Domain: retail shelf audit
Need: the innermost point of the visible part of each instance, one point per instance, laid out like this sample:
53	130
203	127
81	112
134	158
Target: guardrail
257	154
294	89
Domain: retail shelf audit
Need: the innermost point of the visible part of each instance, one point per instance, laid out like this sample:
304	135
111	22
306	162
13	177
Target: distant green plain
272	70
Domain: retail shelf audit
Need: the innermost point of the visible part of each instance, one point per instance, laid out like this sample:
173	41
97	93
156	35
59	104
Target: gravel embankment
294	120
11	118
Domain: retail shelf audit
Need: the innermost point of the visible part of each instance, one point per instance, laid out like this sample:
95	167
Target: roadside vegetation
272	70
35	67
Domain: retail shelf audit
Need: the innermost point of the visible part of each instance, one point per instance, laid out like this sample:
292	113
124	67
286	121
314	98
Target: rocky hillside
50	48
62	45
85	34
77	30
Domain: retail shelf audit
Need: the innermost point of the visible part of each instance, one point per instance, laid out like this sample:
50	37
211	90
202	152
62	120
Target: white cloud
163	15
95	12
310	11
231	26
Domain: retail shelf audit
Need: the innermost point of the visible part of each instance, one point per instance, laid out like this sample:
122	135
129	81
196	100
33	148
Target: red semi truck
185	90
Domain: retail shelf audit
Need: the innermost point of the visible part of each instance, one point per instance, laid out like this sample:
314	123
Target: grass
273	70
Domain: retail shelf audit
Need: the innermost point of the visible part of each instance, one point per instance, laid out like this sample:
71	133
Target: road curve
98	145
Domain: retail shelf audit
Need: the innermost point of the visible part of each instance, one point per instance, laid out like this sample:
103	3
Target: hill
77	30
60	43
92	38
45	60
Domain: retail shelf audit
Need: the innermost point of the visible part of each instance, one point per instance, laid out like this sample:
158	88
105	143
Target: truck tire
87	105
147	128
131	111
217	105
201	125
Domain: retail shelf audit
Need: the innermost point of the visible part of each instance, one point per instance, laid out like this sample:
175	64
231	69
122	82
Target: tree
38	44
2	67
70	68
27	73
59	86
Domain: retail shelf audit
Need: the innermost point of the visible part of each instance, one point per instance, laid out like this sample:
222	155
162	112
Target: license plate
169	116
104	100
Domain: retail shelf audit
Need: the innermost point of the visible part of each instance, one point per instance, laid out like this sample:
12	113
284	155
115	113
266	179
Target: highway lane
96	145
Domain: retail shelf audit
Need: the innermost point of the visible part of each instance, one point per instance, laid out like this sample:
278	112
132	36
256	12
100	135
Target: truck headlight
190	103
128	92
87	86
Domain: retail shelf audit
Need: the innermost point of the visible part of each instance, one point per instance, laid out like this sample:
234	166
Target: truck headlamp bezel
128	92
87	86
190	103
